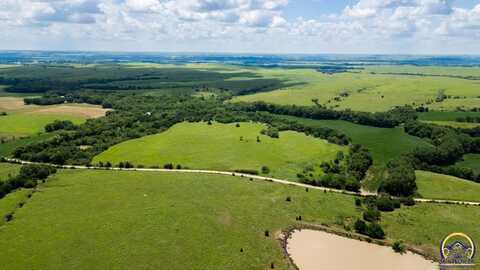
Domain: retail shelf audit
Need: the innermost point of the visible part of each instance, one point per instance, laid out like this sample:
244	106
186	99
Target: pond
314	250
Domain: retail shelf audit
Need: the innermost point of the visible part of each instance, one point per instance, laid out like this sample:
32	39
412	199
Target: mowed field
85	219
224	147
23	120
368	91
440	186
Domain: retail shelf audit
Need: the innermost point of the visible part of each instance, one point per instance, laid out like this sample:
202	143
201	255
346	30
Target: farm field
23	120
377	140
439	186
224	147
370	92
146	220
470	161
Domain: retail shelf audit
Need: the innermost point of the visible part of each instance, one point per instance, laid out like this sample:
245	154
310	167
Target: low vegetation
228	147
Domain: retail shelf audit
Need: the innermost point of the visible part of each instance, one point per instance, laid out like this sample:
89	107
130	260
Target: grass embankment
145	220
7	170
220	147
7	148
440	186
371	92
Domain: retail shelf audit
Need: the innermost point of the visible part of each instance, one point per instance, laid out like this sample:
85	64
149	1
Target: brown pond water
315	250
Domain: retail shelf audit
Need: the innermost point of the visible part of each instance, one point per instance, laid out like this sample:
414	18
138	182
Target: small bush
374	230
247	171
288	199
358	202
399	247
371	214
360	226
168	166
265	170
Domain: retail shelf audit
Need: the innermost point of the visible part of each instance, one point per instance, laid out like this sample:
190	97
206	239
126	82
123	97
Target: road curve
362	193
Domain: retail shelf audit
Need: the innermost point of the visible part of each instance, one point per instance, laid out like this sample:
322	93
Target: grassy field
121	220
439	186
7	149
218	146
370	92
7	170
377	140
471	161
23	120
138	220
425	225
445	116
9	203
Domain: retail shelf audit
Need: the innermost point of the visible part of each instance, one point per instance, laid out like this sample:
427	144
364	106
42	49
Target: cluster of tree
391	118
28	177
270	131
359	161
401	180
58	125
342	173
448	145
469	119
48	100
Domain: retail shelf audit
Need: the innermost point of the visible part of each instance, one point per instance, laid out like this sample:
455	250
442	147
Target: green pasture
224	147
385	144
445	116
454	124
28	123
470	161
7	170
440	186
366	91
83	219
9	203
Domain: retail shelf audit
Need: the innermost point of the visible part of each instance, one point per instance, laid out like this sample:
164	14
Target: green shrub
371	214
399	247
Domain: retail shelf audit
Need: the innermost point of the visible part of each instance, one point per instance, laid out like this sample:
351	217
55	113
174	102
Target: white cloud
249	24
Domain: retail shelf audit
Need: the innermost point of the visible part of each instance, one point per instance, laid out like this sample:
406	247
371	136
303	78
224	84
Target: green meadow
84	219
25	123
224	147
470	161
440	186
7	148
377	140
369	91
7	170
445	116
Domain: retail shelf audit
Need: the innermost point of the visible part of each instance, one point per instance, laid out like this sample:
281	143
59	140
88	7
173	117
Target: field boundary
362	193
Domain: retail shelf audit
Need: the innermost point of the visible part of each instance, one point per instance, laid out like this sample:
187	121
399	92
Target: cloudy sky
247	26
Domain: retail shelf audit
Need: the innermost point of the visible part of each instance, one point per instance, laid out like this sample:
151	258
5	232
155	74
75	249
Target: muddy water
314	250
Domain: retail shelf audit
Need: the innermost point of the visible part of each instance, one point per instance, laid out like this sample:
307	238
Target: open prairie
224	147
369	90
123	220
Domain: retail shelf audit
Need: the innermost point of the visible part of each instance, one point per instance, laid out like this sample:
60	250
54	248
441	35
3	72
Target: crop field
439	186
24	120
470	161
377	140
365	91
224	147
125	220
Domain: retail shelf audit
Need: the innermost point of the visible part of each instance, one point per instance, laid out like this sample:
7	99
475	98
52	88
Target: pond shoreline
287	234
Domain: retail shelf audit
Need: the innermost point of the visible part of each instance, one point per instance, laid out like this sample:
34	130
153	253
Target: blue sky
248	26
